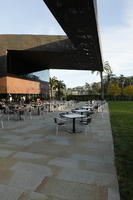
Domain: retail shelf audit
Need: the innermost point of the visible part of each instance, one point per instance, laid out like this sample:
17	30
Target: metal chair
1	120
100	110
86	121
59	123
62	114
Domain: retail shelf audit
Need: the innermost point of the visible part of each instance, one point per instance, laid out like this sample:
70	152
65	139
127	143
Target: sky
115	24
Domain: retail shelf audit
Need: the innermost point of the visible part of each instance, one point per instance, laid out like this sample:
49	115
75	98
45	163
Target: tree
107	71
95	88
108	75
107	68
114	90
53	84
128	81
121	82
114	79
60	86
87	87
128	91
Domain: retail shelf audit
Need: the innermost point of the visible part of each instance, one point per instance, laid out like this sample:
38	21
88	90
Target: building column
102	86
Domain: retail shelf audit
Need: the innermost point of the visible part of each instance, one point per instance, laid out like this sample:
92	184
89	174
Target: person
39	101
22	100
10	97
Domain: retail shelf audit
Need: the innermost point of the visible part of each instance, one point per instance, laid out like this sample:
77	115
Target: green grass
121	114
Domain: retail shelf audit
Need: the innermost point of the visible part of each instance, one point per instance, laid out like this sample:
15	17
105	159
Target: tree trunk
102	86
51	92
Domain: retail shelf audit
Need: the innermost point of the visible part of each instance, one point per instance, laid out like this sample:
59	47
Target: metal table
86	107
81	111
73	116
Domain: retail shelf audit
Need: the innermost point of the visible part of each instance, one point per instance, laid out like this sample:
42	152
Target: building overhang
79	21
27	61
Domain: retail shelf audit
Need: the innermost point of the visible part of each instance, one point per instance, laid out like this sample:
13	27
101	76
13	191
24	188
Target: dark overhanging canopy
80	51
31	61
79	21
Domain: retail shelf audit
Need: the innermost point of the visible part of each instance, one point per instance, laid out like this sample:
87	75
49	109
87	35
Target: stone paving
37	164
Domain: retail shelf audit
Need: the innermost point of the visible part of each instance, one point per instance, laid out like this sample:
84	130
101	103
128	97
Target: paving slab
92	158
64	162
87	177
97	167
62	140
13	137
23	142
28	176
73	191
29	156
4	154
9	193
32	196
31	135
34	127
113	194
37	196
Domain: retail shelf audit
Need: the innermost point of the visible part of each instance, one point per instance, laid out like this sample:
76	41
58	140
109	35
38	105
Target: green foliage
53	84
60	86
57	84
96	87
83	97
107	68
128	91
121	114
114	90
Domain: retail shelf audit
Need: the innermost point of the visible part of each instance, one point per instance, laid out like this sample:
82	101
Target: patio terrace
35	163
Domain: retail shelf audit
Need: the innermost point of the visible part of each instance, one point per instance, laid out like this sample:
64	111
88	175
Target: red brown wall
3	85
18	86
21	86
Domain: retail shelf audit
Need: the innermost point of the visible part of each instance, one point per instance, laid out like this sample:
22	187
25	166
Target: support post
102	85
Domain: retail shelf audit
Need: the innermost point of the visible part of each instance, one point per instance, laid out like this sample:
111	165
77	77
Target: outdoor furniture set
85	114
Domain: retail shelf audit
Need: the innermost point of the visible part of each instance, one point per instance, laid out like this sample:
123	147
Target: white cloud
73	78
55	31
46	30
117	43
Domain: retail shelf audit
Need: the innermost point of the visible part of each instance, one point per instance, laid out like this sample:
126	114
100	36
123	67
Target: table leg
38	111
49	108
20	115
73	125
81	117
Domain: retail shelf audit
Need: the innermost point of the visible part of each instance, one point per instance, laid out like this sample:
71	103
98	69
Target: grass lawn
121	114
